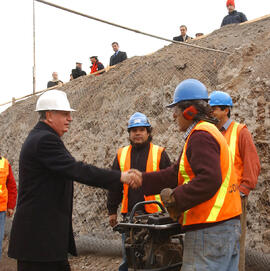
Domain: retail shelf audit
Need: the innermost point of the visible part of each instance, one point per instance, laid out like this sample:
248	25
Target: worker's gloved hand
169	202
113	220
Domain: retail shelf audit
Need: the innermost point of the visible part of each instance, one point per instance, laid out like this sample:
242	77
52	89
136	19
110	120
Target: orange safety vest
232	136
153	160
226	203
4	172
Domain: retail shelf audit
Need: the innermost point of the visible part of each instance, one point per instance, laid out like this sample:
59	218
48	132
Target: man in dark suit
183	37
118	56
41	235
77	72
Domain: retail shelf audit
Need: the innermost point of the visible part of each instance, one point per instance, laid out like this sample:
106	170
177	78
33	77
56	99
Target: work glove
113	220
169	202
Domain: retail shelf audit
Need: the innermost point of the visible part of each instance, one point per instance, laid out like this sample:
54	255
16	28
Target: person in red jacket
8	195
96	65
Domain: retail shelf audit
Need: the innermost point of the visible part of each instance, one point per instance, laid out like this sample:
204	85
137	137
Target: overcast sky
63	38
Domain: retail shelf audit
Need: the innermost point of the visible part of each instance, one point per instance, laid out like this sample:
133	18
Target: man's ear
49	116
227	110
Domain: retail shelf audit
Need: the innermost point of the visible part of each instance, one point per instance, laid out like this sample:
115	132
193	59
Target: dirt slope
104	104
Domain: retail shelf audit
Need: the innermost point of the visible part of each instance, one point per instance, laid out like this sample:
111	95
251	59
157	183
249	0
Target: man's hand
169	202
132	178
136	179
113	220
10	212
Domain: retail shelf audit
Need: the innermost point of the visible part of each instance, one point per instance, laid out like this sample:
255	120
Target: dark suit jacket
42	225
121	56
180	38
77	73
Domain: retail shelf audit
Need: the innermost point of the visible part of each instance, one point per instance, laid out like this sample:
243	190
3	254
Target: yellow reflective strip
182	167
123	158
221	195
2	162
185	176
1	191
155	156
233	141
157	198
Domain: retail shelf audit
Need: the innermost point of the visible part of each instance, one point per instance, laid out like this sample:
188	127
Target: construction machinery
153	242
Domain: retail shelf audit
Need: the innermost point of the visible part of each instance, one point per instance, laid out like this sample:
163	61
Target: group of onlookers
118	56
96	66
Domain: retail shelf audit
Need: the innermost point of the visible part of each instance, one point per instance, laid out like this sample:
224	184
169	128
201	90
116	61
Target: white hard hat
53	100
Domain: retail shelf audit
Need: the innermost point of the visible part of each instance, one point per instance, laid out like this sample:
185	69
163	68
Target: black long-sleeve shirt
138	161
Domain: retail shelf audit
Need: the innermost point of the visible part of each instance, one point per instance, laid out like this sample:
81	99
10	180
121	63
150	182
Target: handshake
133	178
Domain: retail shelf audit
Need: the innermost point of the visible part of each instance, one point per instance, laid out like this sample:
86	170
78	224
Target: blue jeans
2	229
214	248
124	265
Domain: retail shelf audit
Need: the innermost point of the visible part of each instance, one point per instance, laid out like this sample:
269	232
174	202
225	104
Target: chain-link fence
146	84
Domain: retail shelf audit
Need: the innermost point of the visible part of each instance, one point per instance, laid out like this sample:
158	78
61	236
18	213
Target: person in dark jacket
141	154
41	235
55	81
77	72
118	56
183	37
234	17
96	65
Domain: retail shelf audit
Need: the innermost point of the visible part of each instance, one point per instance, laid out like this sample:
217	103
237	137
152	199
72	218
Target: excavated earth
104	103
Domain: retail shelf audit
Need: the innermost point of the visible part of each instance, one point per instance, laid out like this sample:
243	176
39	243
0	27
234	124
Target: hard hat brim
52	109
139	125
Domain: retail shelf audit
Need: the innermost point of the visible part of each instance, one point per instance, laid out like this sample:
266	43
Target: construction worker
245	157
41	235
143	155
201	187
8	195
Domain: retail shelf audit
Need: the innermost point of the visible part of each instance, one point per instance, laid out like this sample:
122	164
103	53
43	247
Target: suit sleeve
124	56
12	190
53	154
111	61
115	196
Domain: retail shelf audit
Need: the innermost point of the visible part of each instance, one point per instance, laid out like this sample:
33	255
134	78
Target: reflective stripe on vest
232	135
212	210
4	171
154	156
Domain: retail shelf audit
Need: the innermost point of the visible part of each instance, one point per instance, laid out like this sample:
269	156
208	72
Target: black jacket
42	225
138	161
53	83
115	59
180	38
234	18
77	73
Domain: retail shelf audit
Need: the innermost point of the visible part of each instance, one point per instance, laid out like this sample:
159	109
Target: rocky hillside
104	103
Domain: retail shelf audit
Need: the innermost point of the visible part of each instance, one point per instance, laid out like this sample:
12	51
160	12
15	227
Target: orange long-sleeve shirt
250	160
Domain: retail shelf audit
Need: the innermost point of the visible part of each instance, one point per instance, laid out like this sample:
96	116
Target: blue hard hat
189	89
138	120
220	98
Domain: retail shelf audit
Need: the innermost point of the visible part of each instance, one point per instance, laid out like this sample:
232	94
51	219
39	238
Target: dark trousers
43	266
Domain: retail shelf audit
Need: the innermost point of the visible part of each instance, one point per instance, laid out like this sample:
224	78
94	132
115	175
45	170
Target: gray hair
42	115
